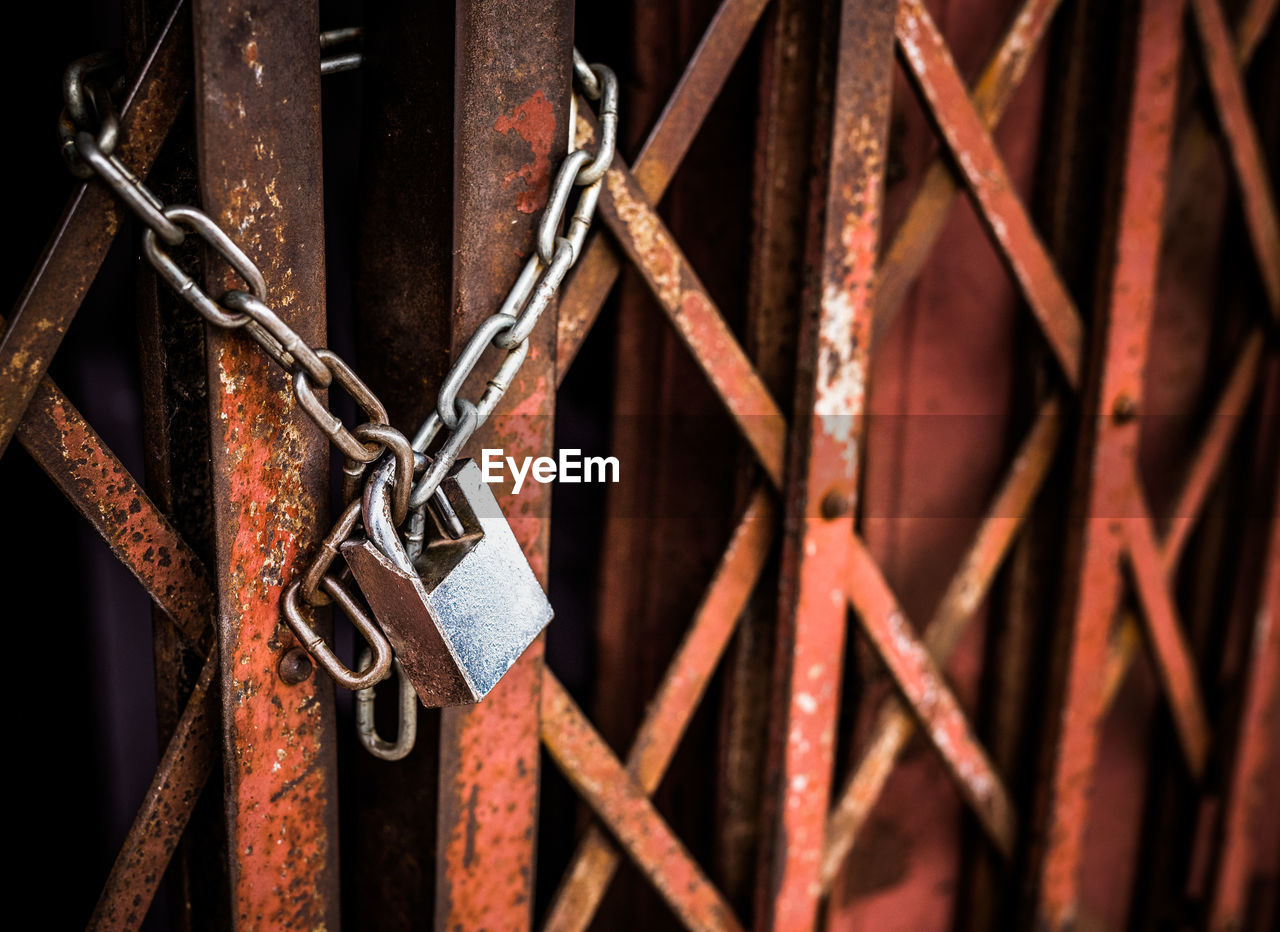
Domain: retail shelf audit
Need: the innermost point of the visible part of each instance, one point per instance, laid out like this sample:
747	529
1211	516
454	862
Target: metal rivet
835	504
295	666
1124	409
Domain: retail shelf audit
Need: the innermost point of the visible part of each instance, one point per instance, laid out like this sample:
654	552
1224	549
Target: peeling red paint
649	244
97	483
533	121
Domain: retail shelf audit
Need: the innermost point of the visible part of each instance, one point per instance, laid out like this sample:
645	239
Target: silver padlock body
472	609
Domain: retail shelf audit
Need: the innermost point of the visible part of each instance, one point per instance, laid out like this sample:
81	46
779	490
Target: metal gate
936	342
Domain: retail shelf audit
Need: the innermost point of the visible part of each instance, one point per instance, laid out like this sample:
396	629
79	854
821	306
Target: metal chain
90	127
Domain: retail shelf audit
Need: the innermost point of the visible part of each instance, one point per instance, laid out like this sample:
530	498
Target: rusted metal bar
512	86
96	482
923	223
1206	463
88	226
1250	790
625	807
1255	19
1169	647
789	59
258	140
668	715
650	245
929	698
822	474
1256	195
708	69
162	817
995	197
1110	439
894	724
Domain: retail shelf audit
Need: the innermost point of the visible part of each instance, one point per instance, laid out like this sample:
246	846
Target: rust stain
534	121
137	532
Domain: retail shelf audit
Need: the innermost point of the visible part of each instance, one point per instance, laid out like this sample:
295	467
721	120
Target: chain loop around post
90	128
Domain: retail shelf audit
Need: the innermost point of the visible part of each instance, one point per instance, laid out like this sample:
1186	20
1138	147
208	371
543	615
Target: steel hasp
472	608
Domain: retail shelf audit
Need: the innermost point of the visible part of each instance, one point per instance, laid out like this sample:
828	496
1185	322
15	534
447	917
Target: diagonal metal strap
1169	647
921	683
596	859
1257	197
624	806
894	723
921	227
166	809
585	291
73	455
89	225
997	201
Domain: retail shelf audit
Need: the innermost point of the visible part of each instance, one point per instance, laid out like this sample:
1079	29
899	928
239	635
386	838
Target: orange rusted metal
894	724
162	818
258	138
930	699
489	757
993	191
822	471
1258	198
1111	438
586	289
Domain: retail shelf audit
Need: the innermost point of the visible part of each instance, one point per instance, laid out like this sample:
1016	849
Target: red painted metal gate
936	341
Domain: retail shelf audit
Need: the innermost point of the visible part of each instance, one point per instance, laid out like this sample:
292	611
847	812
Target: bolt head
295	666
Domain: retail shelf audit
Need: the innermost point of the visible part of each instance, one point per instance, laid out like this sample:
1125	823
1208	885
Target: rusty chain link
89	128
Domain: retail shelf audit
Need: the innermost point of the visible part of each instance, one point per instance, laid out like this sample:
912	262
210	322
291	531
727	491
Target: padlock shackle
378	521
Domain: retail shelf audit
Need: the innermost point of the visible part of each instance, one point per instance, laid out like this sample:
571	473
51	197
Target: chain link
89	128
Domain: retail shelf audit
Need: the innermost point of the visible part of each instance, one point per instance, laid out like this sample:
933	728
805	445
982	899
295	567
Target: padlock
461	616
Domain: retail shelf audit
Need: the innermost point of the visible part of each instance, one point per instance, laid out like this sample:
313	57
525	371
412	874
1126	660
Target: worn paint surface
533	121
258	142
88	226
587	287
97	483
489	753
649	244
1112	448
162	818
830	389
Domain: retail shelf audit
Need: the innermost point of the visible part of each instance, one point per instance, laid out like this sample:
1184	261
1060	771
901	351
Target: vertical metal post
783	159
258	139
1110	442
512	86
822	482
